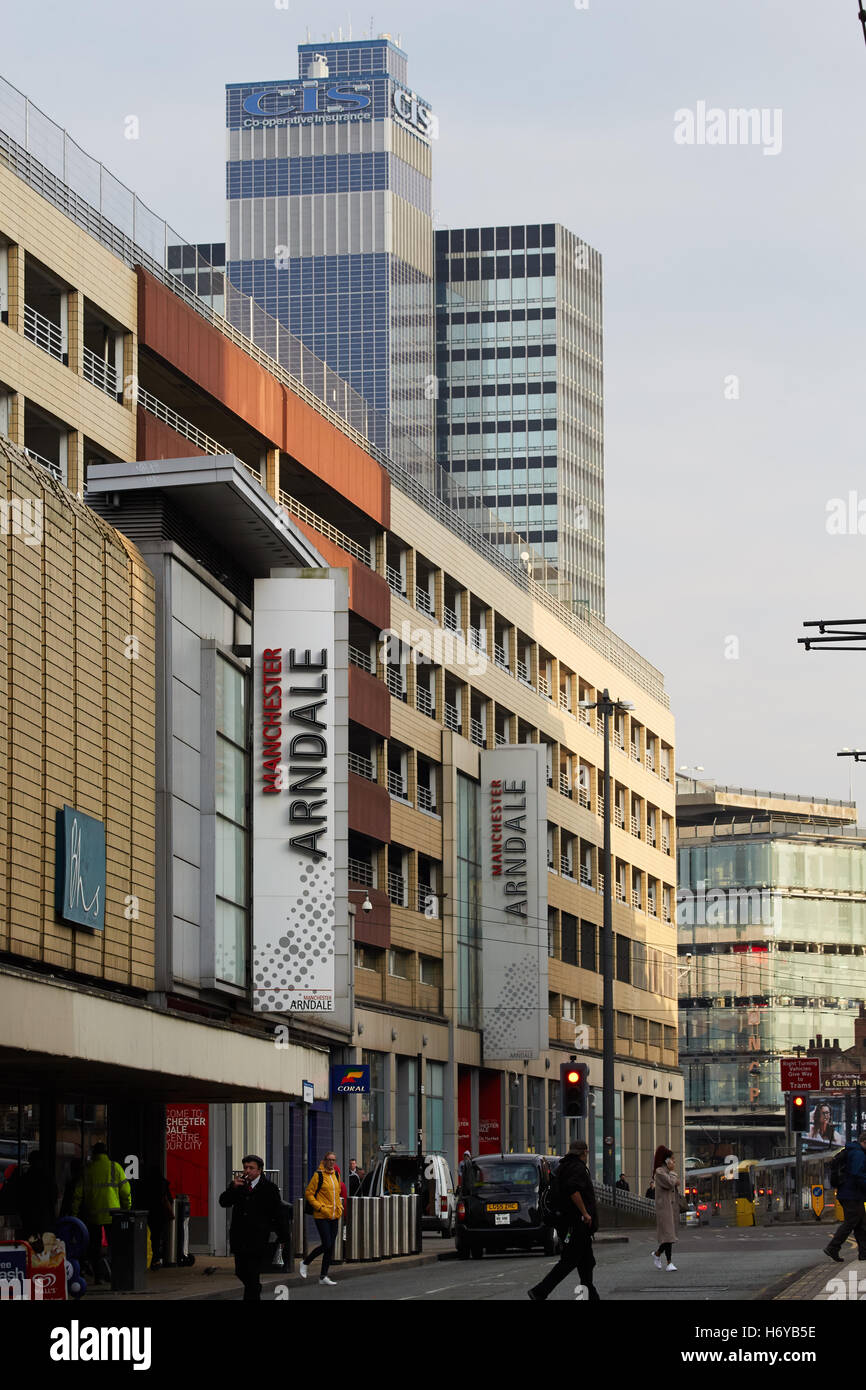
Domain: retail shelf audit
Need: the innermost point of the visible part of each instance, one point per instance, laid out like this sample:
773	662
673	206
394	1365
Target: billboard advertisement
300	793
513	821
186	1154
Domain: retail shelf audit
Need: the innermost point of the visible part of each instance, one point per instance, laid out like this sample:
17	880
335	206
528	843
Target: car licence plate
503	1218
503	1206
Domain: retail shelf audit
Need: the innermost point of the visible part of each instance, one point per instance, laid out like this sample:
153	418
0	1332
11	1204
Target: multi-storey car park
220	470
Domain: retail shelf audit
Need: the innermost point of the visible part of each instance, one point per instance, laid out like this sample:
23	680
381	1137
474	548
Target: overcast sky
734	287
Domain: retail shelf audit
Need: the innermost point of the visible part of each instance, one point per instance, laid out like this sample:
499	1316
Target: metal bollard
373	1227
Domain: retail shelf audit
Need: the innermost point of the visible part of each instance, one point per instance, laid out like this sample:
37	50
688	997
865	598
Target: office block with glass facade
329	223
771	936
520	409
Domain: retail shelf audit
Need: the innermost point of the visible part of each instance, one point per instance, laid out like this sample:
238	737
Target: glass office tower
329	223
771	914
520	410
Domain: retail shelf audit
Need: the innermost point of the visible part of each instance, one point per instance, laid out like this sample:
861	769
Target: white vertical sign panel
300	797
513	827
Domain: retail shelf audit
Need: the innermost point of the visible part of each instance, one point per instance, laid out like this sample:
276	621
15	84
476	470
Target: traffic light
799	1112
573	1077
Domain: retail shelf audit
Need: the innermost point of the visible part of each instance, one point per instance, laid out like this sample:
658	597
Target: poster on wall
514	902
186	1148
300	797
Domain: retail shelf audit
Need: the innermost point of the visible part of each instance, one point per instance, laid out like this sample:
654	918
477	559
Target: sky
734	282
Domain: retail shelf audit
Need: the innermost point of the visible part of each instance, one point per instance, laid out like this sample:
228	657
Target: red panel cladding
369	702
369	595
154	440
369	809
371	928
185	340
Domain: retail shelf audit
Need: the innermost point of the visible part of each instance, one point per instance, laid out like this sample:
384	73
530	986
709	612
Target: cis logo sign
302	100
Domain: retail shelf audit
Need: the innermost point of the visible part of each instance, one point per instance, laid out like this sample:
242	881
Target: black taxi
499	1205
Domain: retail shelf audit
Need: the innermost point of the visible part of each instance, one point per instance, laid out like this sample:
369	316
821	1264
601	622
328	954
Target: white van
396	1174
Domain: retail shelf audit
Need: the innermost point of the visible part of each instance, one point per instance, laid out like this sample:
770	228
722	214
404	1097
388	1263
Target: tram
758	1191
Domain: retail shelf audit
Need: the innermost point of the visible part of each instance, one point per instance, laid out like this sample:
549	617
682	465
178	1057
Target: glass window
373	1109
468	904
232	826
434	1138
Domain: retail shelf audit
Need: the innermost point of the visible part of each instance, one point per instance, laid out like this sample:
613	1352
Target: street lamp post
607	707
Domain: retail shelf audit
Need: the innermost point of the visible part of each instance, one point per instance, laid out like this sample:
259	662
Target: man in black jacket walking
256	1212
578	1222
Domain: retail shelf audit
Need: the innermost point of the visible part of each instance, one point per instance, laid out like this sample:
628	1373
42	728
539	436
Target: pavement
213	1276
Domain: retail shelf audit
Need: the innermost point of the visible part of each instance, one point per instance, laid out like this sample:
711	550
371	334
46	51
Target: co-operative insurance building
307	778
330	223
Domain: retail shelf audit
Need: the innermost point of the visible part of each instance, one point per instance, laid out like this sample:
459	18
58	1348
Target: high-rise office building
330	223
519	414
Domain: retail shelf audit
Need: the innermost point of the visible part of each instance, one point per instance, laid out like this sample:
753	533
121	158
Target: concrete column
75	462
16	418
129	385
74	301
271	472
15	259
439	596
409	560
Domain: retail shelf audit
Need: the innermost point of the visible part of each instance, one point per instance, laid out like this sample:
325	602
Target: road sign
800	1074
841	1081
817	1199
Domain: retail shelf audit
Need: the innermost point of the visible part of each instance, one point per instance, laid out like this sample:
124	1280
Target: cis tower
330	229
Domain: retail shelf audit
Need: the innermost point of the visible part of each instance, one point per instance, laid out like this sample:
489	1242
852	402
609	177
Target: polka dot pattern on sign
515	1006
302	958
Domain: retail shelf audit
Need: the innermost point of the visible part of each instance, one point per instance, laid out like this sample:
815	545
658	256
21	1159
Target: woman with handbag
323	1202
667	1185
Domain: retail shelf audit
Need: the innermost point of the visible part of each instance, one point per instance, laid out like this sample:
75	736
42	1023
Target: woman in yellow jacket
323	1199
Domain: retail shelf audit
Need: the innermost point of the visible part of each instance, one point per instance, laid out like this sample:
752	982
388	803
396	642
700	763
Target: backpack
839	1169
309	1209
550	1205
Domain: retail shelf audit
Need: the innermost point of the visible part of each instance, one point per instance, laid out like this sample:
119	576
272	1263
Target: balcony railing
397	889
619	738
599	807
324	528
53	468
207	445
424	702
500	656
583	797
46	334
619	817
665	771
651	906
423	601
362	767
426	800
583	716
359	872
499	740
363	660
476	732
565	701
523	673
394	681
397	785
428	900
449	618
100	373
585	876
565	866
635	826
452	718
666	912
634	753
666	844
565	787
620	893
477	638
551	861
636	899
543	686
395	581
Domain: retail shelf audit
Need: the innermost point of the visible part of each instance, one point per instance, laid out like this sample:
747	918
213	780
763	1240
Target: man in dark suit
256	1212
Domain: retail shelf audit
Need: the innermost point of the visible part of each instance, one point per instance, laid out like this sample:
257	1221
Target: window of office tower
468	913
232	823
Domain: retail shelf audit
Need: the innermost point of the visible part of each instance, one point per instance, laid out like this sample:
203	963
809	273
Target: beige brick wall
77	716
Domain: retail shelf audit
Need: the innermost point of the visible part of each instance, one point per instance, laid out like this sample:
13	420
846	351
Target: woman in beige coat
667	1186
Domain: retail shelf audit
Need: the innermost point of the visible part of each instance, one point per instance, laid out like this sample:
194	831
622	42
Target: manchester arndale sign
514	902
300	809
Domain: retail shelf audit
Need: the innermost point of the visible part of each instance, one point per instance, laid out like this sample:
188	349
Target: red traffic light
573	1076
798	1101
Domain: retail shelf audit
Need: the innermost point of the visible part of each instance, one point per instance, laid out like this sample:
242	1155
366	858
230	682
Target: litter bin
180	1244
128	1251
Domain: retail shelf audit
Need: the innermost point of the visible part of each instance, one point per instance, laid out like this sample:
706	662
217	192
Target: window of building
232	823
468	914
655	1034
535	1114
623	958
400	964
430	971
623	1026
569	1009
670	1038
639	1029
373	1111
569	939
435	1111
589	946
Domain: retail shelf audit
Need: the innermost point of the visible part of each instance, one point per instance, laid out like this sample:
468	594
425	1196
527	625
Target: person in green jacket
102	1190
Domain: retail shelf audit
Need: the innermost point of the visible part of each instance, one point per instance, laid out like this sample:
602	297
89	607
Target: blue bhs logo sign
79	876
